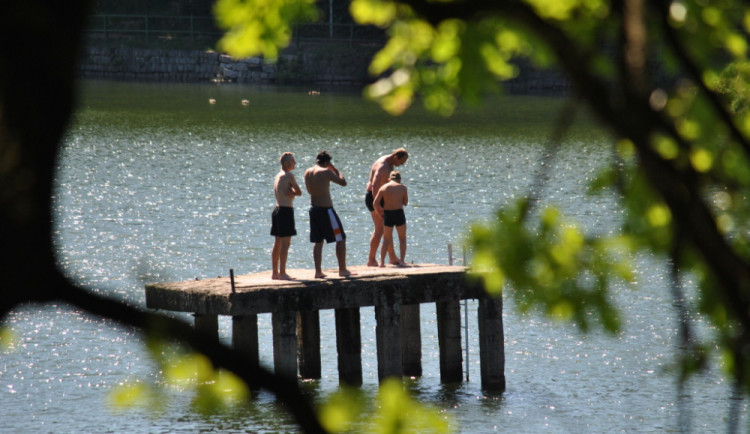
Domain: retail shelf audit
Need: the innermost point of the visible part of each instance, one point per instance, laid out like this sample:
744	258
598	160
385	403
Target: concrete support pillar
411	340
449	338
388	337
492	344
349	346
308	334
207	324
245	336
285	343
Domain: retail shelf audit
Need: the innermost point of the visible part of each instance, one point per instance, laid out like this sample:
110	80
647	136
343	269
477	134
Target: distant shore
322	66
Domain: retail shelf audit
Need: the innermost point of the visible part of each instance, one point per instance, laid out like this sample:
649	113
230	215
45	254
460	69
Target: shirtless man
378	176
285	188
389	203
324	222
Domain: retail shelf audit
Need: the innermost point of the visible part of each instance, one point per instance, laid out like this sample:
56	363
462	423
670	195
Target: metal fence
190	28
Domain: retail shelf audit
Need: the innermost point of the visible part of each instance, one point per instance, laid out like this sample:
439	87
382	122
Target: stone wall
321	66
317	67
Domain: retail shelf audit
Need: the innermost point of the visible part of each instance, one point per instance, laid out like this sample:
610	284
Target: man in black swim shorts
282	222
379	173
393	196
394	217
285	189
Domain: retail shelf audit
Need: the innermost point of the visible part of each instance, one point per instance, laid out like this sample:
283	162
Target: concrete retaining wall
343	68
315	66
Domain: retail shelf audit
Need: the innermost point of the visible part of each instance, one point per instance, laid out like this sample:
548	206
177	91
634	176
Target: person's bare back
394	195
318	183
379	173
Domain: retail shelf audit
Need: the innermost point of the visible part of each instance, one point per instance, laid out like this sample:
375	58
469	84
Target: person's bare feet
284	276
403	265
320	275
382	265
275	276
345	273
372	263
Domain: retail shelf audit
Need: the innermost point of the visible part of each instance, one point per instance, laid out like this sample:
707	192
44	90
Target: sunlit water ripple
155	184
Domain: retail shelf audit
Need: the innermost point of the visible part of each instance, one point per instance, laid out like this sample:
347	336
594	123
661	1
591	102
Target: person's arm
294	189
307	181
405	201
380	178
371	180
336	176
376	202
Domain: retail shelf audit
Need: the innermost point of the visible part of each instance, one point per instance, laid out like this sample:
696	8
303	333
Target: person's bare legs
283	255
387	246
401	244
383	251
377	234
275	254
341	257
318	259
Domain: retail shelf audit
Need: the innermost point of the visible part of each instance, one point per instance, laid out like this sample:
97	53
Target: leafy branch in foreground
680	129
664	77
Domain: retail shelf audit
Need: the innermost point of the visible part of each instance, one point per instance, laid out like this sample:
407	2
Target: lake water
156	184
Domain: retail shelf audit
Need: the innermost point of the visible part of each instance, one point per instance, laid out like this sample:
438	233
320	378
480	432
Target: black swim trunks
369	199
325	224
394	217
282	222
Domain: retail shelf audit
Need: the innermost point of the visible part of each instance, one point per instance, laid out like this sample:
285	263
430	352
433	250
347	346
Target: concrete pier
396	294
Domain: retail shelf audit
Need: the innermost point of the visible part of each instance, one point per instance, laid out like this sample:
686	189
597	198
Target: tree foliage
668	79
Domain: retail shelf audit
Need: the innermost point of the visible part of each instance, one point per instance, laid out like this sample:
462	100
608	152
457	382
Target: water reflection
155	184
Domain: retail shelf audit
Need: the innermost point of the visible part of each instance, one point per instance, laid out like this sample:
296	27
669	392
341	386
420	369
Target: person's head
287	161
399	156
323	159
395	176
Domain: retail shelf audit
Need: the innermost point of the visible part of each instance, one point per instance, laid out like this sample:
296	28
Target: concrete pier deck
370	286
395	292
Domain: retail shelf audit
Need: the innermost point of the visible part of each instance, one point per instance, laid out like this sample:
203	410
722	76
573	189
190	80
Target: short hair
401	154
395	175
323	158
285	157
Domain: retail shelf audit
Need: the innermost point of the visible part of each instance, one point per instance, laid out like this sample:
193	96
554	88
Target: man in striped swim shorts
324	222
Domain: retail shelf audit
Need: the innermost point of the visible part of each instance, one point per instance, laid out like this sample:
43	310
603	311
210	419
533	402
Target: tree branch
631	116
161	326
695	74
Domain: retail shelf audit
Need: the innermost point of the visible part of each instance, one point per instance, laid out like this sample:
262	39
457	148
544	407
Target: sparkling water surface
154	183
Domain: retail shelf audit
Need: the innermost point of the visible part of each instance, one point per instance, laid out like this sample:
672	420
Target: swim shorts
394	217
325	224
369	199
282	222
